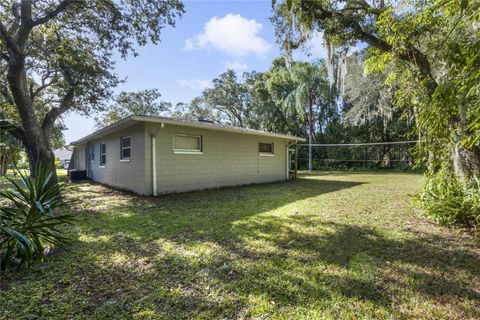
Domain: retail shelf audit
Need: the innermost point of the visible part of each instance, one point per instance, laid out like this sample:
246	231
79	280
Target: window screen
265	148
125	148
103	154
187	143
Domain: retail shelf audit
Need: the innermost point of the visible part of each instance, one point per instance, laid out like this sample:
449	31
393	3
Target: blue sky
210	37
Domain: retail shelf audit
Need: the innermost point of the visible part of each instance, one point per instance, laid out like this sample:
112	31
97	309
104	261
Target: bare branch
54	113
39	89
44	84
64	105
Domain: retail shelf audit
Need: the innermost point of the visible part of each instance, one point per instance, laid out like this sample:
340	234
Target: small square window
125	150
103	154
265	148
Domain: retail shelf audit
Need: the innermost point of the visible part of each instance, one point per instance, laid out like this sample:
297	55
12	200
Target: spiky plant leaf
29	221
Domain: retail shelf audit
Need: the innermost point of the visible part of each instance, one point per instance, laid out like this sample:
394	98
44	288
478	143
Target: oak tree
142	103
57	57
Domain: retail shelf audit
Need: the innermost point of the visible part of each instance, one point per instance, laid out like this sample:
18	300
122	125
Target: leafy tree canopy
429	52
428	49
142	103
56	57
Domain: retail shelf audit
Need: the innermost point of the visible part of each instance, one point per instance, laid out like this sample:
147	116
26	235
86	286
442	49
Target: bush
29	222
57	164
449	201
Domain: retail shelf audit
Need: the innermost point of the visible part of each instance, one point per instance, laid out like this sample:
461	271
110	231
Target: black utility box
77	175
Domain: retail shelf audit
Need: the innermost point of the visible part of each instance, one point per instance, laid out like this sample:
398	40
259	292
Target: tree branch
26	24
411	54
16	14
62	6
7	39
26	12
54	113
43	85
6	94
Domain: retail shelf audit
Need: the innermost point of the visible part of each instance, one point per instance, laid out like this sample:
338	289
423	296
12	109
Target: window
103	154
92	153
125	148
187	144
265	148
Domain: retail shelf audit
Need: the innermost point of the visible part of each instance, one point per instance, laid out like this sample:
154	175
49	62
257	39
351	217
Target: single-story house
159	155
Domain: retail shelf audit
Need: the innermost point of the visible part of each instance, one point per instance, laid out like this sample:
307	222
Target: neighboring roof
63	153
182	122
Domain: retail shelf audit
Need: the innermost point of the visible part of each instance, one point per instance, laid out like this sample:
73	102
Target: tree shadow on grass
369	266
212	253
304	270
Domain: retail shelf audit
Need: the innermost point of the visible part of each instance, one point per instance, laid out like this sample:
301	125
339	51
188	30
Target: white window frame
100	156
125	159
187	151
266	154
92	152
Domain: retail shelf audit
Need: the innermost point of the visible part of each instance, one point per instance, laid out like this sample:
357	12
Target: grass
327	246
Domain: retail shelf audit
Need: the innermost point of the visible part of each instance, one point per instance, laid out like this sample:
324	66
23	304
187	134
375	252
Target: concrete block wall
227	159
123	175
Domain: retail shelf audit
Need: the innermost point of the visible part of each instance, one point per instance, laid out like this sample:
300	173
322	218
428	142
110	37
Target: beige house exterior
156	155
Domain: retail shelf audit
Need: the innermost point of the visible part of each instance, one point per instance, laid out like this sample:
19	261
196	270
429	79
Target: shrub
449	201
57	164
28	221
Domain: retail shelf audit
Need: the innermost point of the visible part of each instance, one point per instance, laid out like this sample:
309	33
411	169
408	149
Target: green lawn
327	246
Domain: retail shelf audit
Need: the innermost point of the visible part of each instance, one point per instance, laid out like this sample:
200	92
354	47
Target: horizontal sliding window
265	148
187	143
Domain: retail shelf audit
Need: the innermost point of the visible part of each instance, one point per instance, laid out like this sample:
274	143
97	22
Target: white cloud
195	84
232	34
236	66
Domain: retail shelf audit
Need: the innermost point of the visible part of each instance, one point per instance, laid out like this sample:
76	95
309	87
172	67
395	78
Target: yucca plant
28	221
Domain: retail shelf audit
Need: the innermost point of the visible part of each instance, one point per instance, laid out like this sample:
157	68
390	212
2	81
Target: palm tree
312	92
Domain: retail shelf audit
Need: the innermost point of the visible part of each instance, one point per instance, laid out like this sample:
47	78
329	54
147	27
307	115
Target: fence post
296	161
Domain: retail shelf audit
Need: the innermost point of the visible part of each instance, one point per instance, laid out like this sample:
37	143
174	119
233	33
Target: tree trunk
34	139
466	162
3	160
310	164
42	156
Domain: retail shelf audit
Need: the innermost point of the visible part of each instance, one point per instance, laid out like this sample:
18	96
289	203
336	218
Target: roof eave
219	128
104	130
126	120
